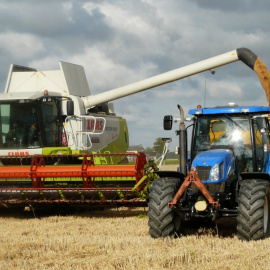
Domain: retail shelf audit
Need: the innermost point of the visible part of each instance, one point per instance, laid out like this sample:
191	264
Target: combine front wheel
253	210
163	221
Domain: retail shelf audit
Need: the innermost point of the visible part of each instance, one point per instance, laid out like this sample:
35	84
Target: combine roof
70	79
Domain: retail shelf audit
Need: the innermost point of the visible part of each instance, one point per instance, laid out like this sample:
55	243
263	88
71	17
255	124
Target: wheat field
118	239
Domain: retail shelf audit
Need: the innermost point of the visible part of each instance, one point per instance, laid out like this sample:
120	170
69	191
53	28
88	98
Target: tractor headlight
215	173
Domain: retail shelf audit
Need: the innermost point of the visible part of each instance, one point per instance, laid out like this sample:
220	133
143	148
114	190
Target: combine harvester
61	145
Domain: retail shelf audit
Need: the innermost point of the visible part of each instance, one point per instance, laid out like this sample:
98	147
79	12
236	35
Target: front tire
253	210
163	221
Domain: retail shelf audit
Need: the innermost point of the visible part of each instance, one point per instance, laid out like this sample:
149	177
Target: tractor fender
255	175
175	174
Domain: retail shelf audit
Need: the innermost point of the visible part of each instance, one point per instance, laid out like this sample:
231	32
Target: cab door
261	142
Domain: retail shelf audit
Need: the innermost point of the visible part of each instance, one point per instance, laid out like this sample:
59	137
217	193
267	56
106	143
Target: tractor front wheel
163	221
253	210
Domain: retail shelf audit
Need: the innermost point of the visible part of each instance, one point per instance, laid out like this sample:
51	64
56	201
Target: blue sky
121	42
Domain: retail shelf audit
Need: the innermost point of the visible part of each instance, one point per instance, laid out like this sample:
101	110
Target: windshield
28	124
226	131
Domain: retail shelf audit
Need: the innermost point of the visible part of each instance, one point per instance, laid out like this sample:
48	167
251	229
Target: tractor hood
211	157
214	165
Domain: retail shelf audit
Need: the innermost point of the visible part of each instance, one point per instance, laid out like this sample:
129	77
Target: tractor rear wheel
163	221
253	210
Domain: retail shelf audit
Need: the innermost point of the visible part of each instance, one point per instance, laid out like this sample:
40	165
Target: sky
119	42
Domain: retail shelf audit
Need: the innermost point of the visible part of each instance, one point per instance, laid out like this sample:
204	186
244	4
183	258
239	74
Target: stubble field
119	239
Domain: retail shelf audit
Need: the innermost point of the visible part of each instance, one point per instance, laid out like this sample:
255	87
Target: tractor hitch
193	177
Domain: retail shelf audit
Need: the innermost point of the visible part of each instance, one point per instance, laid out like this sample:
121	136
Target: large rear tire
163	221
253	210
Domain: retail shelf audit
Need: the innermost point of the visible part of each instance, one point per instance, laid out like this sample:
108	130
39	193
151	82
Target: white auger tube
242	54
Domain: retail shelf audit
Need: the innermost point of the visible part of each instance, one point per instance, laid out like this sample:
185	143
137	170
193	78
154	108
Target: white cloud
105	74
225	88
21	46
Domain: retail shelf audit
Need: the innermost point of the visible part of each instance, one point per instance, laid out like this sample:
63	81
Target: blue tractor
228	175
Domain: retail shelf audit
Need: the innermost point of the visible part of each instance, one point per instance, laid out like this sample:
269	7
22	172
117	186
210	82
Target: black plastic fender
176	174
255	175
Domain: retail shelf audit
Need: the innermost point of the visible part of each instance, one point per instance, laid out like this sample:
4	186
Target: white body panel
37	82
69	80
21	152
91	132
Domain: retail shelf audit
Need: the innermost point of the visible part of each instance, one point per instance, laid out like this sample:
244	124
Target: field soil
169	167
119	239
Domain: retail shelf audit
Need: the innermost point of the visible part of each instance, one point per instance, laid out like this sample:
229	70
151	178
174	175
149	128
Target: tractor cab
240	131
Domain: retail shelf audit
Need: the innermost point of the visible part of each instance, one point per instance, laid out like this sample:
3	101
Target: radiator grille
203	172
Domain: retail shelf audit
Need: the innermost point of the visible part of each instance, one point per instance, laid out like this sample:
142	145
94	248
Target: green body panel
121	144
56	151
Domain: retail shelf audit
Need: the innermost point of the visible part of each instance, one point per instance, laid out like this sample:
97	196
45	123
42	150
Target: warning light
199	106
46	92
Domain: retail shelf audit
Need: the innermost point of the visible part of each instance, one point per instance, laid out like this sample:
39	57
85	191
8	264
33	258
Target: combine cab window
5	123
51	123
19	126
29	124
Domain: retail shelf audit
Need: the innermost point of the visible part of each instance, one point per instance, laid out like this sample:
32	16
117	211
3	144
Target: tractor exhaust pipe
182	142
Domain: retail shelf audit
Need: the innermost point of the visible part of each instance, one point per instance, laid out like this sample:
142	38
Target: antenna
213	73
204	93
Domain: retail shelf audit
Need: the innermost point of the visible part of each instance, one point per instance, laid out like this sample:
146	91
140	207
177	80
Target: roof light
46	92
199	106
245	110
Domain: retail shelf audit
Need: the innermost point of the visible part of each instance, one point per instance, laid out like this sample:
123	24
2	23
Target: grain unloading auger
64	125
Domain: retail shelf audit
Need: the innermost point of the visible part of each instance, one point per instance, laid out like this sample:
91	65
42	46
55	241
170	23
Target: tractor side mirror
167	122
70	107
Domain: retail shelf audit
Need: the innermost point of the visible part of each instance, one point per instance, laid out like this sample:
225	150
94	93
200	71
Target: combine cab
44	113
